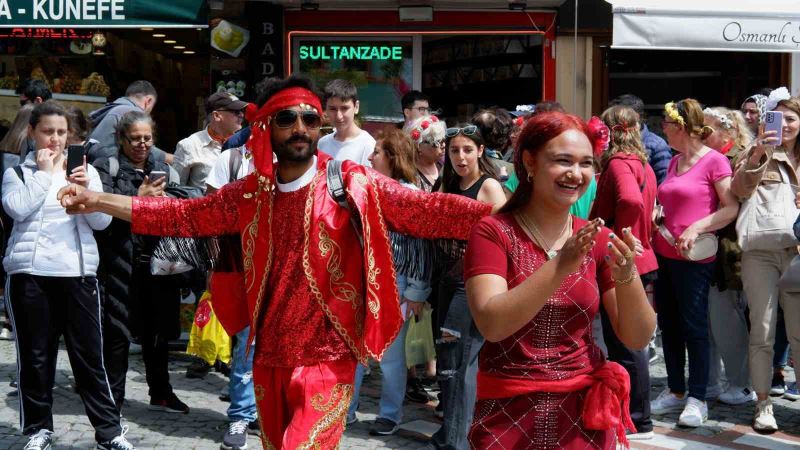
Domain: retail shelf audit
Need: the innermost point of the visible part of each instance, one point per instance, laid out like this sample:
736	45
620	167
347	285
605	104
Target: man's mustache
298	138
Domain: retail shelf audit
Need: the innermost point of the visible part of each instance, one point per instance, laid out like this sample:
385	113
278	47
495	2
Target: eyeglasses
288	117
422	109
468	130
146	140
668	122
434	143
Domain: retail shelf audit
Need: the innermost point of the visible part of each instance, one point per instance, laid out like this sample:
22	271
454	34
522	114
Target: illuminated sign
93	13
45	33
351	52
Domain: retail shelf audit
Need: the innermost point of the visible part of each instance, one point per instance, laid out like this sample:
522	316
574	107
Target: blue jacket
658	151
238	139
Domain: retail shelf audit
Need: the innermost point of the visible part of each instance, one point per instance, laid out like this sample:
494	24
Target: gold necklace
539	238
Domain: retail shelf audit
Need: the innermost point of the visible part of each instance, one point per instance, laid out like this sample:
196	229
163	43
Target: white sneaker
6	335
694	414
713	392
640	436
666	402
764	420
736	395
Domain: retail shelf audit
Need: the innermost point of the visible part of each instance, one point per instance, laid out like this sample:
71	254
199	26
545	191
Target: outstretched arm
427	215
212	215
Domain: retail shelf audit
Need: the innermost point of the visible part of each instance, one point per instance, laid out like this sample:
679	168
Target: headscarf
761	104
260	142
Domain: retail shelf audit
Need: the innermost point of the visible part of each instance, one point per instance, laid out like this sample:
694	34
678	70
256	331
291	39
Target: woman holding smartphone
138	305
767	162
52	288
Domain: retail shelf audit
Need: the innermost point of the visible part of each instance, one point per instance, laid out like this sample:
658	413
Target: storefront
88	51
464	59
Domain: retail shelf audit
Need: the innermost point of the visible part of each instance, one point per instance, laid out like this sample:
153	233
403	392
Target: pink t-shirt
689	197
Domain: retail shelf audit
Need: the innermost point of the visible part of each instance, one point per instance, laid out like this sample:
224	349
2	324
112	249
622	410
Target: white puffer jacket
45	240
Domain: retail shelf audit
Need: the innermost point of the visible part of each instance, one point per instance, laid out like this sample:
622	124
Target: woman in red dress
535	277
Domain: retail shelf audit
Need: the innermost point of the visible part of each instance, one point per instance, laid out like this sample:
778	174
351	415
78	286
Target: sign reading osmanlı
105	13
351	52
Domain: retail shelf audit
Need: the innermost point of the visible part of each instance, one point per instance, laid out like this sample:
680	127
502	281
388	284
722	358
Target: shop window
463	73
381	69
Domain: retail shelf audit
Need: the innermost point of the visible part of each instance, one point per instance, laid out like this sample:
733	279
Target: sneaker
791	392
198	369
352	419
694	414
415	392
763	419
118	443
640	436
713	392
737	396
42	440
223	368
382	427
778	385
170	404
236	436
254	428
6	335
666	402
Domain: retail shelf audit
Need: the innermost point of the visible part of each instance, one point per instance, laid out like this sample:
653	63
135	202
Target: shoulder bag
766	218
705	246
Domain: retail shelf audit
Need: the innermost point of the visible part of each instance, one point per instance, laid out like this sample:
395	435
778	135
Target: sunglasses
468	130
288	117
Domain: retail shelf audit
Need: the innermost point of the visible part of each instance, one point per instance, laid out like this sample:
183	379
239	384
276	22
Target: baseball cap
224	101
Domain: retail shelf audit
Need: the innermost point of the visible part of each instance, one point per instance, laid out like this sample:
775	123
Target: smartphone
156	175
773	121
75	154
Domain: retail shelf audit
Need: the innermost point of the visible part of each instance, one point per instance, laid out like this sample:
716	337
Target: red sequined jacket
357	294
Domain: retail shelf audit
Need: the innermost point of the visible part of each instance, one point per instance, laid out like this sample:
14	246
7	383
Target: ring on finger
628	255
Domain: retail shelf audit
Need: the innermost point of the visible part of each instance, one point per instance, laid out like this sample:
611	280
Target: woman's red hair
538	131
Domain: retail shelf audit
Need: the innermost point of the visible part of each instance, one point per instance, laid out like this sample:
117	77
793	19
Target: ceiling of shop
438	4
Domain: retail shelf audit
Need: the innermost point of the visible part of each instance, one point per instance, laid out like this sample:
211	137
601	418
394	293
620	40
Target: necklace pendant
551	254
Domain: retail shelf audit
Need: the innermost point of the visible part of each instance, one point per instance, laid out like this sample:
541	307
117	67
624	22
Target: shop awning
103	13
753	26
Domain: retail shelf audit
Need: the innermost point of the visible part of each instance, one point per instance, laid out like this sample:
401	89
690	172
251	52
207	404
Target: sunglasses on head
288	117
468	130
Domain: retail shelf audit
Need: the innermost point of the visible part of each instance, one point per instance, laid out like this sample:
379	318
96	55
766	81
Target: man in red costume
317	299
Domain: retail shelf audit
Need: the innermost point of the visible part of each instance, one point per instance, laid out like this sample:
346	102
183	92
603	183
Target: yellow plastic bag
419	339
208	340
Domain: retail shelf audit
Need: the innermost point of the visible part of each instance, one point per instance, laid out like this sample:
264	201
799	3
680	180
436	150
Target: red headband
260	143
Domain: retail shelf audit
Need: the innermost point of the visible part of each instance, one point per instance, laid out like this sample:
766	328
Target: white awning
726	25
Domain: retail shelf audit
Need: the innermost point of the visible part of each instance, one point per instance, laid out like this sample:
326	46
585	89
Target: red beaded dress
554	348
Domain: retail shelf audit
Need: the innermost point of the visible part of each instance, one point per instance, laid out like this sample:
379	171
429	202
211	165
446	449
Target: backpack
113	170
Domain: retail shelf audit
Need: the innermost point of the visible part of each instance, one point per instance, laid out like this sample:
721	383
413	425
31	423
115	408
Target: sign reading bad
351	52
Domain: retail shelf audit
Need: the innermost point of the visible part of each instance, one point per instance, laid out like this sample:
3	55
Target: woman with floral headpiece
696	201
726	302
764	167
626	194
428	134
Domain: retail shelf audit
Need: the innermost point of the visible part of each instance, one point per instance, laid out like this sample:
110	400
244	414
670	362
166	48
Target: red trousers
303	407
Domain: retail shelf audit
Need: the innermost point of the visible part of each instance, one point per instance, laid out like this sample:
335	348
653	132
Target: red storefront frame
386	22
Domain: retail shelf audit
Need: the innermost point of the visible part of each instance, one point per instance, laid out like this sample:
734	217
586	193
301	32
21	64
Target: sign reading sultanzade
109	13
706	30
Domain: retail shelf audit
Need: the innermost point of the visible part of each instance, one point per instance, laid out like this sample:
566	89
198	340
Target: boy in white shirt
348	141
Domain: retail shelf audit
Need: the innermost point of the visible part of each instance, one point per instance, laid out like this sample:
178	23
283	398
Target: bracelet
633	275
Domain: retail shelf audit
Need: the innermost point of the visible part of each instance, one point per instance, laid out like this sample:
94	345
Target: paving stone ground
727	427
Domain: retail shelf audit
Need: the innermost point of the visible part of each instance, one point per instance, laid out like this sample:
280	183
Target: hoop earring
530	178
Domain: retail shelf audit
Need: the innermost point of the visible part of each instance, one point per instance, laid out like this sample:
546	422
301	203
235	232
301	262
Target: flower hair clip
600	133
623	128
672	112
416	132
725	121
776	96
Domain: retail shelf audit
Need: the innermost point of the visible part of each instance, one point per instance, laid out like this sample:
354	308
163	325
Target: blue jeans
393	380
781	347
681	293
243	397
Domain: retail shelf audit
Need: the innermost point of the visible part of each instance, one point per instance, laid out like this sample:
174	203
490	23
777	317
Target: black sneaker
415	392
42	440
382	427
223	368
118	443
236	436
198	369
254	428
170	404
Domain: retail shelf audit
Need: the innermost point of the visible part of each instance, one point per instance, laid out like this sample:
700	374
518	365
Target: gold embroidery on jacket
335	412
341	290
312	282
372	271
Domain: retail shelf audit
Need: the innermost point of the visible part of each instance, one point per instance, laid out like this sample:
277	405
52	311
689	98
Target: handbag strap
784	174
666	234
